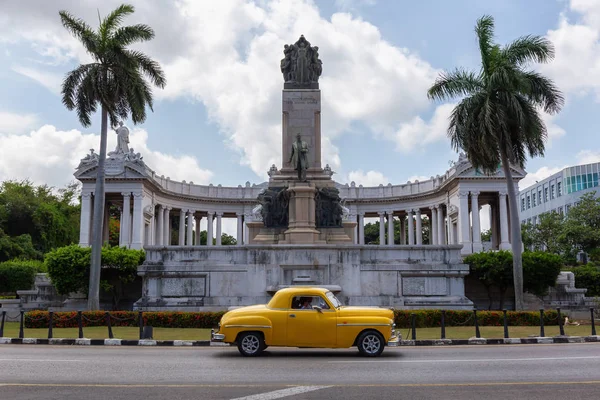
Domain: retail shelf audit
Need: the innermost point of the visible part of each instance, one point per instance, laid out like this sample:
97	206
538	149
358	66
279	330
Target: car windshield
336	303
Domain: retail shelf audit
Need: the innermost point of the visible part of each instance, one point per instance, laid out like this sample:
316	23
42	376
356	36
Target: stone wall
189	278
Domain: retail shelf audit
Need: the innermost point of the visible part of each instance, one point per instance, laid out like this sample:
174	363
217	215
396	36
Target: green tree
540	270
546	233
46	216
588	277
581	230
494	270
226	240
497	122
486	236
69	269
117	81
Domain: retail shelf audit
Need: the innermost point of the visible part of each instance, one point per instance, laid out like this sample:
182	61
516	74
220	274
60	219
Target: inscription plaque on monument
183	287
430	286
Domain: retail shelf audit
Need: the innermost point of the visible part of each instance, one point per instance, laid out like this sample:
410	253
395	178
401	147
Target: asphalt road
570	371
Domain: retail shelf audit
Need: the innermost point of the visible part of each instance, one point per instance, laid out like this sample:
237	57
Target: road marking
475	360
359	385
278	394
40	360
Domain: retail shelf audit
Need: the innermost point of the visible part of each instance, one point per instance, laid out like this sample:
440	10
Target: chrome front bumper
216	337
395	339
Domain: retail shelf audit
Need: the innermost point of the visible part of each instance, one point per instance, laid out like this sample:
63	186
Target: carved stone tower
315	212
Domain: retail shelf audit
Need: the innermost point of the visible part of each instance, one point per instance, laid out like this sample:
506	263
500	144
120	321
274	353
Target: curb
207	343
484	341
111	342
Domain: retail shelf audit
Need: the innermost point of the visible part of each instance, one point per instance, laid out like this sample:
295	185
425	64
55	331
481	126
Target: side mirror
319	309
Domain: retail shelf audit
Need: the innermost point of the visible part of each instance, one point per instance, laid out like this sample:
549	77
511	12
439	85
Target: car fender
234	326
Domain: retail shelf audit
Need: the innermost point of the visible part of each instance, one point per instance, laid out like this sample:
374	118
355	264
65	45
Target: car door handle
292	315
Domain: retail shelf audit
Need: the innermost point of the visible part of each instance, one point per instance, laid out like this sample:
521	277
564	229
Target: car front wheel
370	344
251	344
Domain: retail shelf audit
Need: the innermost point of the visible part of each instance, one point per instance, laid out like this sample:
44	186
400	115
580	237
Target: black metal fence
80	317
413	329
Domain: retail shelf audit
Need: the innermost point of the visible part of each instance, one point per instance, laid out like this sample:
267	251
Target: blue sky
218	119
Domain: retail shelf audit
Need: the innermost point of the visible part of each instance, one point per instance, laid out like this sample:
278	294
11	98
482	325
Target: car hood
364	311
245	310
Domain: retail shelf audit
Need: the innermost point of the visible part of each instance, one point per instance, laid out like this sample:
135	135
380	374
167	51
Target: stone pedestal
301	226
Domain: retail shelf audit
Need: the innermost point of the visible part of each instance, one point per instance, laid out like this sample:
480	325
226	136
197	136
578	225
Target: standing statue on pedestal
299	157
122	148
301	67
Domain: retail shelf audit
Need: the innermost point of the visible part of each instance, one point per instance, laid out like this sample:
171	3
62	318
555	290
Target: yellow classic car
307	317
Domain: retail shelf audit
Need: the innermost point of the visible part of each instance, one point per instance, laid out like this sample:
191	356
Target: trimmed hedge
207	320
39	319
18	274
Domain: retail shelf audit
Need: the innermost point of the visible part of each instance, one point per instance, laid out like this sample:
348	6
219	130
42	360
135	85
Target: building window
567	208
539	197
560	210
545	195
522	203
533	200
552	192
559	189
528	202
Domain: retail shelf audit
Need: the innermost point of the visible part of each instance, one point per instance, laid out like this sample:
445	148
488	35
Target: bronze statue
301	67
299	157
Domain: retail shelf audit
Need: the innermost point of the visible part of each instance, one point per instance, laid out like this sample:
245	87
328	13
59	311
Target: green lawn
11	329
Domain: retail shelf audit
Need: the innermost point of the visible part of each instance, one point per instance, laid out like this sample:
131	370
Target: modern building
558	192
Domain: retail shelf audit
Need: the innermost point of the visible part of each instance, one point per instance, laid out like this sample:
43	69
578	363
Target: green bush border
207	320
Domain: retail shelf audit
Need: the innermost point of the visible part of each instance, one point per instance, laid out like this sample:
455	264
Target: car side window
308	302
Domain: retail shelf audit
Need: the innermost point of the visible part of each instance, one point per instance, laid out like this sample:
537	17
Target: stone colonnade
447	225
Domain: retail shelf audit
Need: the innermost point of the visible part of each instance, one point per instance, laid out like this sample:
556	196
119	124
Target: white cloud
16	123
227	54
588	157
576	68
418	133
49	80
370	178
50	156
419	178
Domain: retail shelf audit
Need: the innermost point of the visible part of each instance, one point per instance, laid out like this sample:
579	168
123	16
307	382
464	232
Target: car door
312	327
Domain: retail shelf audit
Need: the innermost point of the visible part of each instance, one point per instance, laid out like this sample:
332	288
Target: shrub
171	319
18	275
588	276
540	271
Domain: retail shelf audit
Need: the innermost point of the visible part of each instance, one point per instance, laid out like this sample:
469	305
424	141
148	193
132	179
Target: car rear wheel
370	343
251	344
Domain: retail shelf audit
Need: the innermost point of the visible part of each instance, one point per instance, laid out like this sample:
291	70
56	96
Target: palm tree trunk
515	234
98	220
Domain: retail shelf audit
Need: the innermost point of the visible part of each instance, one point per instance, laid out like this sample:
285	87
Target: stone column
190	227
463	223
181	241
450	231
120	224
419	228
247	218
219	229
198	220
167	227
440	225
209	229
353	217
411	228
361	228
504	243
85	223
240	229
433	223
390	219
124	239
477	246
403	230
160	220
381	227
137	241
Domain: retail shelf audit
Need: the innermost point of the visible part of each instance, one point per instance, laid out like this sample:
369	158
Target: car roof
303	289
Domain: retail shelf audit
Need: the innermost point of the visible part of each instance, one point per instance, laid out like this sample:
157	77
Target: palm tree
117	82
497	121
